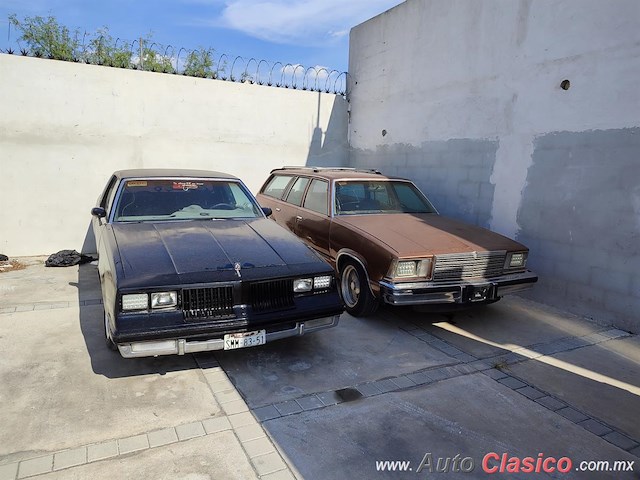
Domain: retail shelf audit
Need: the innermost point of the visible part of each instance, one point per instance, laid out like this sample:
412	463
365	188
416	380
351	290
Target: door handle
277	209
298	217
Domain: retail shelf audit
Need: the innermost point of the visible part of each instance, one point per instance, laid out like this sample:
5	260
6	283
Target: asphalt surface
445	396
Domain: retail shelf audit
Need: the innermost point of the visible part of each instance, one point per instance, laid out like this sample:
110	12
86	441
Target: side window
296	192
317	195
109	192
277	186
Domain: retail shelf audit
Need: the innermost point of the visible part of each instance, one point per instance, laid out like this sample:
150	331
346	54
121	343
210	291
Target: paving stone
289	407
403	382
572	414
242	419
228	396
162	437
594	427
419	378
8	310
310	402
449	350
465	357
237	406
480	365
35	466
577	342
281	475
221	386
216	424
258	446
426	337
70	458
512	382
368	389
495	373
133	444
596	338
616	438
93	301
329	398
551	403
549	348
385	385
269	463
266	413
51	306
531	392
24	308
249	432
634	451
437	374
190	430
215	374
465	369
101	451
615	333
8	472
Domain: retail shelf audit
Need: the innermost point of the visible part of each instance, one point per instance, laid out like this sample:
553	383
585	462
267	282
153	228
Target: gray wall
65	127
465	98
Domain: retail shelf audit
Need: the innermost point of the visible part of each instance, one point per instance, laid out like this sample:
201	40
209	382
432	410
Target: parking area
516	378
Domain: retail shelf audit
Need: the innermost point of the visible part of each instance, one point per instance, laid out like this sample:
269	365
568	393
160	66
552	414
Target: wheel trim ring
349	295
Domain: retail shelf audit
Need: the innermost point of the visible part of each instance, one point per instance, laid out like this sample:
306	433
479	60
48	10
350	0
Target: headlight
164	299
411	268
516	260
302	285
322	282
135	301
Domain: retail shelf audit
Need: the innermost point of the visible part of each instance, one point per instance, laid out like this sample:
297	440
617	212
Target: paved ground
514	378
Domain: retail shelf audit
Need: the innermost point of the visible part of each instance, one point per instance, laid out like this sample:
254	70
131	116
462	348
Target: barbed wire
144	54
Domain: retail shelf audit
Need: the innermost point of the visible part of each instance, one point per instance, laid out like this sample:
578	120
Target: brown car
388	243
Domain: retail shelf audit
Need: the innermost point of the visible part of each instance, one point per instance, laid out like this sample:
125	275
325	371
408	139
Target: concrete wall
464	97
65	127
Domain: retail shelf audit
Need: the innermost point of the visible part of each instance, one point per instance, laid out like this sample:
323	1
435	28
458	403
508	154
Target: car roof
336	173
171	172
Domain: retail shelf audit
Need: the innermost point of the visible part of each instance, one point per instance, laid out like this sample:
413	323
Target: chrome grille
467	266
209	302
271	295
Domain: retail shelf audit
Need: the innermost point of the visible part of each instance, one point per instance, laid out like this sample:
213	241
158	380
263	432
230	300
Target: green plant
46	38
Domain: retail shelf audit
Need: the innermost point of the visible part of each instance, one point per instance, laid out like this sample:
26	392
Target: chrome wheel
350	286
107	334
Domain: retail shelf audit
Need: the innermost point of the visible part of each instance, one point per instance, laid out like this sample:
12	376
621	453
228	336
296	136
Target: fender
352	255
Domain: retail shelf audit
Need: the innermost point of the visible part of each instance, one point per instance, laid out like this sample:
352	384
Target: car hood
427	234
207	250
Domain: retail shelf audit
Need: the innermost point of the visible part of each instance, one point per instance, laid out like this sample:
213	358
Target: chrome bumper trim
419	293
181	346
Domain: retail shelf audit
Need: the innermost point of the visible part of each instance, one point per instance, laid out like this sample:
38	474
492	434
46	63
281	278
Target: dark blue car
189	262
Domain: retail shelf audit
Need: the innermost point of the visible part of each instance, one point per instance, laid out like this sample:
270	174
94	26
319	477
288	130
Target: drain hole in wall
565	84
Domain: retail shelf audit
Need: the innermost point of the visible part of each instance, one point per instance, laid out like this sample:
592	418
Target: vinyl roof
171	172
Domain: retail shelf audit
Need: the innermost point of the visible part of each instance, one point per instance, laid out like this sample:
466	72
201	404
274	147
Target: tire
355	292
107	335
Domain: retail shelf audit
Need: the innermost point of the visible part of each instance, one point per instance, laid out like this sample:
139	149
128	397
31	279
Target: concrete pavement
516	377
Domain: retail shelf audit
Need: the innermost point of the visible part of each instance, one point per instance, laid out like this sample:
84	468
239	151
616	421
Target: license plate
246	339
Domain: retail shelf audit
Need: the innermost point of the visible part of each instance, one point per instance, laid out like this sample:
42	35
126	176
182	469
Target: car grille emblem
237	268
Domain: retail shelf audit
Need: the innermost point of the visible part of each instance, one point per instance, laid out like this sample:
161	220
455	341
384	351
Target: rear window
277	186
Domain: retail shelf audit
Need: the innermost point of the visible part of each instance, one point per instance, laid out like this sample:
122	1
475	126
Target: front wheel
107	335
356	295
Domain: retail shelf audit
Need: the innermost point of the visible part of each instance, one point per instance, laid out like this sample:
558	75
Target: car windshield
358	197
183	199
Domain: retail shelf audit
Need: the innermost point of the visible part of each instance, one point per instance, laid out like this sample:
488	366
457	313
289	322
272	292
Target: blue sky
308	32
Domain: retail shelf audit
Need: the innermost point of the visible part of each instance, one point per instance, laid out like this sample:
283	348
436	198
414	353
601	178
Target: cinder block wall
466	99
65	127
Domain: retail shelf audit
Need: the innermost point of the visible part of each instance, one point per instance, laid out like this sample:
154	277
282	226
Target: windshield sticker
186	186
137	183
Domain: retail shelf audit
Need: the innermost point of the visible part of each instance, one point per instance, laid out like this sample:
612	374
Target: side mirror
267	211
98	212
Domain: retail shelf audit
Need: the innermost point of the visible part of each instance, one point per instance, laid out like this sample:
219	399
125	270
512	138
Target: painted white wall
65	127
431	70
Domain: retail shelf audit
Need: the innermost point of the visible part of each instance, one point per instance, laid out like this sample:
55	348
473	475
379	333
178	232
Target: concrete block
288	408
249	432
35	466
611	280
495	373
258	446
266	413
162	437
511	382
617	439
101	451
572	414
329	398
594	427
310	402
419	378
478	174
228	396
269	463
242	419
216	424
221	386
237	406
469	190
190	430
70	458
403	382
8	472
531	392
385	385
133	444
280	475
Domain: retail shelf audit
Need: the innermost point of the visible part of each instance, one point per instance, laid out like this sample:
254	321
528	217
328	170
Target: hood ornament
237	267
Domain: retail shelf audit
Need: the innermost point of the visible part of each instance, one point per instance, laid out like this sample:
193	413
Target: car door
312	221
272	194
294	197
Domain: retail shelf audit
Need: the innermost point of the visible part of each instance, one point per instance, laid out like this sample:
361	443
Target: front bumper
420	293
182	346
